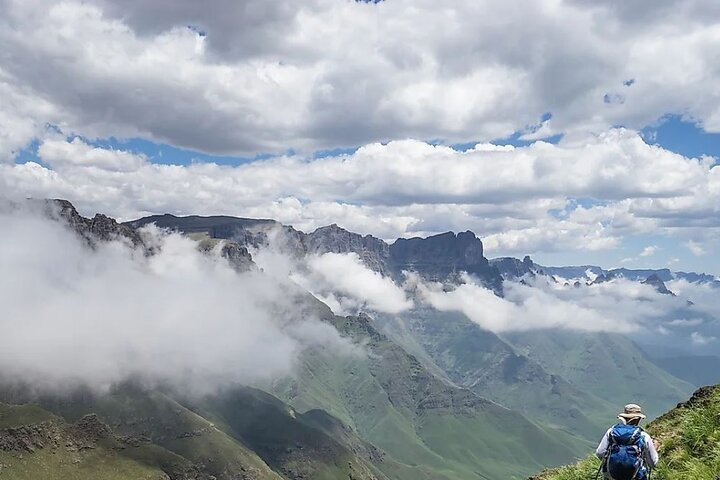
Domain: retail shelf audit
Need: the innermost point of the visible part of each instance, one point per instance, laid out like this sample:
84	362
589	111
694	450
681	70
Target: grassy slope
482	362
161	420
689	437
429	427
604	364
48	447
284	439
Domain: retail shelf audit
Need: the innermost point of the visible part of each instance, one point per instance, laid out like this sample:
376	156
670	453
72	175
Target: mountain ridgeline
433	396
438	257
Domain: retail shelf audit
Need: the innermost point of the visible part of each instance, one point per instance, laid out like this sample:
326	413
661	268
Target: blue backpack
625	453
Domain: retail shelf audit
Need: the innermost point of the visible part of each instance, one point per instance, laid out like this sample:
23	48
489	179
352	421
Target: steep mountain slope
241	433
36	444
479	360
383	398
431	428
603	364
689	438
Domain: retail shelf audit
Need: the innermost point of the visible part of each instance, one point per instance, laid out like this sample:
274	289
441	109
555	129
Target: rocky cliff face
440	257
102	228
655	282
333	239
514	269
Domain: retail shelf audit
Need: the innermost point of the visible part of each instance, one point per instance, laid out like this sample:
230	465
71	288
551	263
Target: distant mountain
481	361
438	257
512	268
429	395
600	364
429	427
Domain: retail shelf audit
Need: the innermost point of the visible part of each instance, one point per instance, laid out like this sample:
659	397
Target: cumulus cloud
258	76
73	315
695	248
649	251
517	199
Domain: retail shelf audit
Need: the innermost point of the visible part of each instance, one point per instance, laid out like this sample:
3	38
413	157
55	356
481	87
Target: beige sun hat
632	411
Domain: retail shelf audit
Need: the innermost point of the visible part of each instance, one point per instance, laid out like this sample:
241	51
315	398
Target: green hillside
689	437
429	427
240	434
601	364
479	360
35	444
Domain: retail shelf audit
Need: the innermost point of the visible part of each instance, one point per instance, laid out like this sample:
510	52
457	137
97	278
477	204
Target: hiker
627	451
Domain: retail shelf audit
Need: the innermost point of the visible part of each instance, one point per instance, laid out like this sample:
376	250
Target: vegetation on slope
480	361
36	444
597	362
241	434
689	437
429	427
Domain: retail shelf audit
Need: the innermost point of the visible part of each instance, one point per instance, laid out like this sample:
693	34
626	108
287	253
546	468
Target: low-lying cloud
72	315
618	306
344	283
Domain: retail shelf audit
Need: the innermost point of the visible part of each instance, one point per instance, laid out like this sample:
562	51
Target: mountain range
433	396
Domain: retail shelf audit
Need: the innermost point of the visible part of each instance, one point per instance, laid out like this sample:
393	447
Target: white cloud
649	251
76	153
699	339
695	248
617	306
685	322
72	315
507	195
348	286
268	76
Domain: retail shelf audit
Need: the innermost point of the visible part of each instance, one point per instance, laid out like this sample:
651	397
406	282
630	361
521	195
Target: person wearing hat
630	417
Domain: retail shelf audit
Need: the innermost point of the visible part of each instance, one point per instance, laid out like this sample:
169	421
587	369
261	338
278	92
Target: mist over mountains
244	348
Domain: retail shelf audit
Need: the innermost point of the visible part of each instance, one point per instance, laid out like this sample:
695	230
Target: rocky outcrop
84	434
655	282
441	256
514	269
100	228
332	239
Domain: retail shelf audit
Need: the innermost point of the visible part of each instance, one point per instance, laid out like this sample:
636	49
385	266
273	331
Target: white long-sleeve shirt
650	454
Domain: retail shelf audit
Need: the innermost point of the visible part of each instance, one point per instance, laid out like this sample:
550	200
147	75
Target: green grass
427	426
489	366
16	415
54	452
99	463
690	443
600	364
